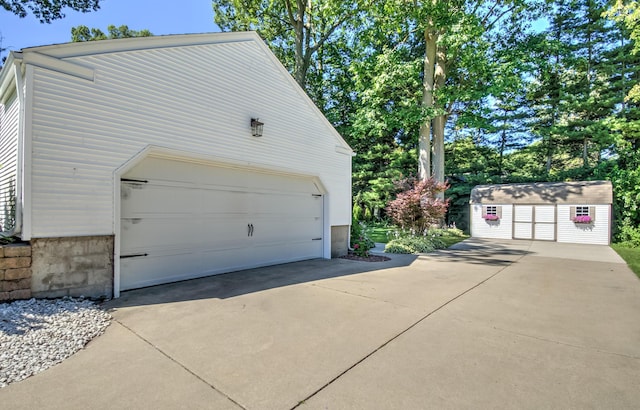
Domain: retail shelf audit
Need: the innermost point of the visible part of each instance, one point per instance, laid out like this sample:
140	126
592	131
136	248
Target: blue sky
159	16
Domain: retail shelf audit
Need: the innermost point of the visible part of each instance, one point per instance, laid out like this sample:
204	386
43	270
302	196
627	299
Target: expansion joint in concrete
156	348
416	323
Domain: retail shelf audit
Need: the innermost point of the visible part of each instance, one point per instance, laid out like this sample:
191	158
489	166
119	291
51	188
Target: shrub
411	244
357	213
629	236
396	247
418	207
408	242
367	214
360	242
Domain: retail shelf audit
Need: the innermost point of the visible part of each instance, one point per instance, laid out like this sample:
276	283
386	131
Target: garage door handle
251	229
248	229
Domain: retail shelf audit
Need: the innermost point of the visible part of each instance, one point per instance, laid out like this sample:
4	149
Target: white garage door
182	220
534	222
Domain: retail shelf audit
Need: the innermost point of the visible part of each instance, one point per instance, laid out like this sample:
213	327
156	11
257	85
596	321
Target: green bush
629	236
407	242
360	242
396	247
357	213
415	244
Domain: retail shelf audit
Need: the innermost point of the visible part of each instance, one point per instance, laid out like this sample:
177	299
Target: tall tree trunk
503	143
439	121
585	152
424	142
296	18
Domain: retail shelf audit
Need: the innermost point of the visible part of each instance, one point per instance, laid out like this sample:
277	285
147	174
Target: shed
136	162
572	212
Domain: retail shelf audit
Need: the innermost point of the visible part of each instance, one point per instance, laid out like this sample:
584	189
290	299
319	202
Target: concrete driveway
485	324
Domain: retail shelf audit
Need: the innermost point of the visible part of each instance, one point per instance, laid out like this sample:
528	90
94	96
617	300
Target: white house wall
196	99
502	229
8	153
595	233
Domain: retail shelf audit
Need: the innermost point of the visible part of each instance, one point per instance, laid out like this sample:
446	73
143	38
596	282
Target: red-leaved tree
417	206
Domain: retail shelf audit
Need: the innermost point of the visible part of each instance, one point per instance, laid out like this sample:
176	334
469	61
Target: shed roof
580	192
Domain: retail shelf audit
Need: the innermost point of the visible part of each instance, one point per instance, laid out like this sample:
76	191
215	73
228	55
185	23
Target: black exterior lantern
256	127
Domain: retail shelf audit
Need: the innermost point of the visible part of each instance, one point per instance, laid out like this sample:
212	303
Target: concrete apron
485	324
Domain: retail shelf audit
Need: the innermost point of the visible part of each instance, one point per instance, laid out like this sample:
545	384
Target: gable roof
536	193
61	56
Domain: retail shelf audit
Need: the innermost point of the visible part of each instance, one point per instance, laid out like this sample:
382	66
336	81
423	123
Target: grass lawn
378	234
450	240
630	255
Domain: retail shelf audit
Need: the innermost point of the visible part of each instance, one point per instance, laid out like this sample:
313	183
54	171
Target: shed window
491	212
582	211
583	214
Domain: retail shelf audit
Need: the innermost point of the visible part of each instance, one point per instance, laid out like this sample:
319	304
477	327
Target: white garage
141	161
572	212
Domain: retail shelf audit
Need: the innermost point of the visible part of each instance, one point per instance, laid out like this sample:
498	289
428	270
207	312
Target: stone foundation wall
72	266
339	240
15	272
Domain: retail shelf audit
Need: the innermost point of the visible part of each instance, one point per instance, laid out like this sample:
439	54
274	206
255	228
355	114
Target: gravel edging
37	334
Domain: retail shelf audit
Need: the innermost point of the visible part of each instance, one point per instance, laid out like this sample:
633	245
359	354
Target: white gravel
37	334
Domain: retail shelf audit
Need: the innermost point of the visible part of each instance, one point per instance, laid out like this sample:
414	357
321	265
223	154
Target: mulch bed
370	258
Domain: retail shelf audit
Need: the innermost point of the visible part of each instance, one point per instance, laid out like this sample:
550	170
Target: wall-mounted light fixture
256	127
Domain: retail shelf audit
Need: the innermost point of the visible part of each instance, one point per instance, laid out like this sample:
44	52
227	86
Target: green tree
48	10
84	33
628	13
297	30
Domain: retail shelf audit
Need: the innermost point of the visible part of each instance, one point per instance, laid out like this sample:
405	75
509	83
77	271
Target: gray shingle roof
582	192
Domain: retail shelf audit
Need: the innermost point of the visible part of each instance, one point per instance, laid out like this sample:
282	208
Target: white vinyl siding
596	232
500	229
196	99
8	158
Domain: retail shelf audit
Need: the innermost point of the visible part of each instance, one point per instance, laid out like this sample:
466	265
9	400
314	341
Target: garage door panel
155	199
174	266
262	182
281	252
267	229
179	172
192	226
296	205
223	202
136	233
149	198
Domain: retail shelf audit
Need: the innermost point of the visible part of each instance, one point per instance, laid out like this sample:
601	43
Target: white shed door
534	222
182	220
523	222
545	222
